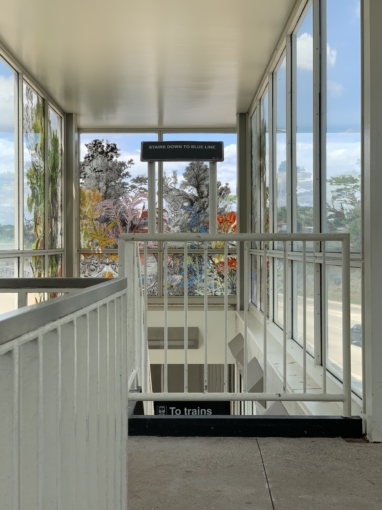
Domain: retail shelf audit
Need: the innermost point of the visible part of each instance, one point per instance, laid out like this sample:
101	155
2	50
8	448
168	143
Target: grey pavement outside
264	473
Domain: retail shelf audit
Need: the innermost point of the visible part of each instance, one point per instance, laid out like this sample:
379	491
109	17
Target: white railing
138	353
311	247
63	402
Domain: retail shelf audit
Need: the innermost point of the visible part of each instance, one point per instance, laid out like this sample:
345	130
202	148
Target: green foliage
344	207
54	169
34	135
188	202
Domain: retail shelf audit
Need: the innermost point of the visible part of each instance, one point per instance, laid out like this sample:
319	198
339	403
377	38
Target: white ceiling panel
146	63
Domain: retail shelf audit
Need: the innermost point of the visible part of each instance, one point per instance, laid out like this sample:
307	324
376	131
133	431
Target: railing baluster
185	292
346	315
145	325
40	420
205	259
225	317
265	310
87	449
304	315
16	428
285	292
324	318
246	294
165	269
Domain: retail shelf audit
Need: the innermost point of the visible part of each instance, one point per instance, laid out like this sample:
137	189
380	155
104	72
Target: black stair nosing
246	426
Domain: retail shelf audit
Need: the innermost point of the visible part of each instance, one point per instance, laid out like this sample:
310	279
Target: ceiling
146	63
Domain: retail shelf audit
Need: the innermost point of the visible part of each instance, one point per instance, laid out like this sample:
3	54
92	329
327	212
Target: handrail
129	242
233	237
19	322
48	283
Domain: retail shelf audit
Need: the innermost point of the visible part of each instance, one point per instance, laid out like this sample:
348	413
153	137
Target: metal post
185	269
213	198
346	351
152	201
205	259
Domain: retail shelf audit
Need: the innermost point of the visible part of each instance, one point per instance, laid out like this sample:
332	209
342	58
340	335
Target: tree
188	202
101	169
344	207
34	135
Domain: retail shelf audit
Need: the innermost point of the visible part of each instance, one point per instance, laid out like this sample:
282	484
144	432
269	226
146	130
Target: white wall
195	319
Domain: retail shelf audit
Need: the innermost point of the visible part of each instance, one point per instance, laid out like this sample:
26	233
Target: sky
344	92
130	144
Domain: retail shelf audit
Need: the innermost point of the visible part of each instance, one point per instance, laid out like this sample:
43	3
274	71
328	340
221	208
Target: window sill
294	368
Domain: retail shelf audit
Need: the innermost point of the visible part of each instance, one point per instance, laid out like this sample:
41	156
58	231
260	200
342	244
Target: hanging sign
182	151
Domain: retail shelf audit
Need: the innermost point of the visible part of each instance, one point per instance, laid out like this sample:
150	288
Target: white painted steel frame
319	115
155	196
131	242
64	408
19	252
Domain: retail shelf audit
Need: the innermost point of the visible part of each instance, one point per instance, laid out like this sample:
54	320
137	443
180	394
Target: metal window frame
161	132
287	46
21	77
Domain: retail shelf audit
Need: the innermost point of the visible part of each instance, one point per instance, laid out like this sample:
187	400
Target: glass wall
280	192
329	200
30	183
34	169
55	180
302	68
113	198
114	194
343	131
8	155
264	163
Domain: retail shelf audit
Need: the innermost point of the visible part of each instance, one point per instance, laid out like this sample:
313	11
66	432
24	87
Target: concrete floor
264	474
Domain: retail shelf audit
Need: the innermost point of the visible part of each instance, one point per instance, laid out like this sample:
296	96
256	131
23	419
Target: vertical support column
243	190
213	197
152	201
372	184
71	194
319	162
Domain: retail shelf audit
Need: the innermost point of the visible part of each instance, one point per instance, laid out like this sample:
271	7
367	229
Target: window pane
334	304
54	265
298	312
100	265
186	186
8	269
303	108
113	188
217	274
34	267
254	287
261	293
279	293
55	180
343	139
264	164
281	150
8	158
34	170
255	173
152	273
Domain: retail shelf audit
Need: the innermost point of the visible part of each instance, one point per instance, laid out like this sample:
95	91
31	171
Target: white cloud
305	53
358	10
335	89
7	103
7	156
331	56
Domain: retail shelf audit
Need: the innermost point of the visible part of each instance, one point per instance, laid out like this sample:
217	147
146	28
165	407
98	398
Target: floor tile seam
266	475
